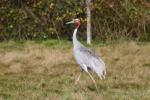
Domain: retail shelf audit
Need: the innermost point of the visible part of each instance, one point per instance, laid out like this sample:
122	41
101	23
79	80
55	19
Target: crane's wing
94	61
88	52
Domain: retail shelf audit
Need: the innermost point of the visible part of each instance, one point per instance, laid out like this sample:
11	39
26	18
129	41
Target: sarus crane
87	59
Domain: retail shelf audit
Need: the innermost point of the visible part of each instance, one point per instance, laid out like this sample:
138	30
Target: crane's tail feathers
102	75
98	67
104	72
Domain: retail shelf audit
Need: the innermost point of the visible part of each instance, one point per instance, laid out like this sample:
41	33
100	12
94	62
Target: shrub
42	19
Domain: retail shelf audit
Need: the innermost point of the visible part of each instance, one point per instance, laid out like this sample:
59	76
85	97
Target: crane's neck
74	37
75	41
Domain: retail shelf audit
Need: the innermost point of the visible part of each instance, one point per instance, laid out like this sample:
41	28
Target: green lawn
46	70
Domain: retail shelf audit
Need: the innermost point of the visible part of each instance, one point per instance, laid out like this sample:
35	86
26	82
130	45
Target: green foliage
42	19
123	18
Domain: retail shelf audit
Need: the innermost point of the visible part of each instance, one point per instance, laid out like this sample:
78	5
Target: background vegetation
42	19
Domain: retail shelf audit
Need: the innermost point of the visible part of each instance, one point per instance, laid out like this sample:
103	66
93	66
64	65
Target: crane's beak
70	22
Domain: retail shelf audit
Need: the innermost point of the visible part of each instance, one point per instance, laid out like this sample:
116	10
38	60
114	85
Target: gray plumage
87	59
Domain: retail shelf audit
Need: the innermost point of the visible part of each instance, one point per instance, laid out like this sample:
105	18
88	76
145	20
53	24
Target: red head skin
77	23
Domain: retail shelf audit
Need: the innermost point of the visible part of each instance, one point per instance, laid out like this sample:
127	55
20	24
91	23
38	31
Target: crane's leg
86	70
93	81
79	76
78	79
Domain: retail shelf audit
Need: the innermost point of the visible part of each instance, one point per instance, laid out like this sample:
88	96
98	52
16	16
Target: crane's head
76	22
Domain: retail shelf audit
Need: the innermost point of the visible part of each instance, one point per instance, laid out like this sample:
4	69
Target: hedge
43	19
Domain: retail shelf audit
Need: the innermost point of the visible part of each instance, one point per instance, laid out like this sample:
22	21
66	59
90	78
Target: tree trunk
88	3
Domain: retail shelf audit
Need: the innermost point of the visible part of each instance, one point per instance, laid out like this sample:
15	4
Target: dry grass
34	71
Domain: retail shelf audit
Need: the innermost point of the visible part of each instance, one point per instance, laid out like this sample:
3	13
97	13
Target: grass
46	70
